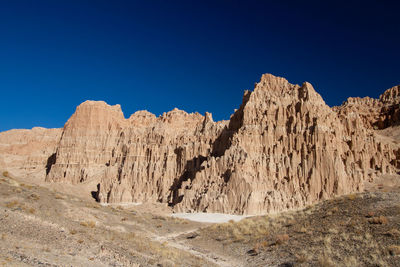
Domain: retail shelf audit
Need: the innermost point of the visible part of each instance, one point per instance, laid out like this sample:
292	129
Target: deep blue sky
157	55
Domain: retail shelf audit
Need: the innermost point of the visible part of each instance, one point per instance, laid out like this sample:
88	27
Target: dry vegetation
354	230
36	219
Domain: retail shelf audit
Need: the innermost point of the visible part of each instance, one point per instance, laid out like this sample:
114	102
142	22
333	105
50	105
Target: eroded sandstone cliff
288	149
375	113
283	148
27	152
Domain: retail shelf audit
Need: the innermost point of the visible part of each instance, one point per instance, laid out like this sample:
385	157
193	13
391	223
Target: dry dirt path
173	241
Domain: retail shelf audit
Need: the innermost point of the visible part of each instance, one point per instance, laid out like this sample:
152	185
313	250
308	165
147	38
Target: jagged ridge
283	148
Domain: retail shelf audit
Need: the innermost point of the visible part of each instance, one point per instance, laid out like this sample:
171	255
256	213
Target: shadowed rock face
283	148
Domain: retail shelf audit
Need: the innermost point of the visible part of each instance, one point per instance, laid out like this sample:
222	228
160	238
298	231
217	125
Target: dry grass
393	233
27	186
12	204
17	190
15	204
90	224
34	196
378	220
325	261
73	231
370	214
281	238
243	230
31	210
352	196
302	257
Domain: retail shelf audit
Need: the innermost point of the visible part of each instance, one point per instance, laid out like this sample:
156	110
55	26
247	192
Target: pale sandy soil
40	226
209	217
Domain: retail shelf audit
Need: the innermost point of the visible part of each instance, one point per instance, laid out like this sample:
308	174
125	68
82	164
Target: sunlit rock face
283	148
375	113
286	149
26	152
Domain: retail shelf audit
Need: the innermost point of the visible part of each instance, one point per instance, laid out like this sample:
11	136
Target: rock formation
287	149
375	113
27	152
283	148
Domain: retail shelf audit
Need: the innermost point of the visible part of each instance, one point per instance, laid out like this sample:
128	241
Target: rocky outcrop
287	149
375	113
283	148
87	143
27	152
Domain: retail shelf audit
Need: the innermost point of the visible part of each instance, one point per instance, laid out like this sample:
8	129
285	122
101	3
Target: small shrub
31	210
333	231
12	204
73	231
80	241
302	257
378	220
34	196
352	196
6	174
394	250
254	251
325	261
370	214
280	239
302	230
59	197
17	190
27	186
90	224
393	233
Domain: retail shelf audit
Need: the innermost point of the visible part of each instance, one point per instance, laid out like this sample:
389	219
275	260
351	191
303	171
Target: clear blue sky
194	55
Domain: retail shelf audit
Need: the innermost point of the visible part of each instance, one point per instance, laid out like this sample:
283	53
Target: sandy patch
209	217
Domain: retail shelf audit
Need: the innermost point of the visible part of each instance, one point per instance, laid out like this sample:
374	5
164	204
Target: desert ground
42	225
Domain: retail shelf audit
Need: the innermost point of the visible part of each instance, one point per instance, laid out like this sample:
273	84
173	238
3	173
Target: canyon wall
283	148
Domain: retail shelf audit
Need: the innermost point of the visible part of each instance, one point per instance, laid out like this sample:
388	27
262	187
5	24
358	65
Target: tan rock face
287	149
375	113
283	148
87	142
26	152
